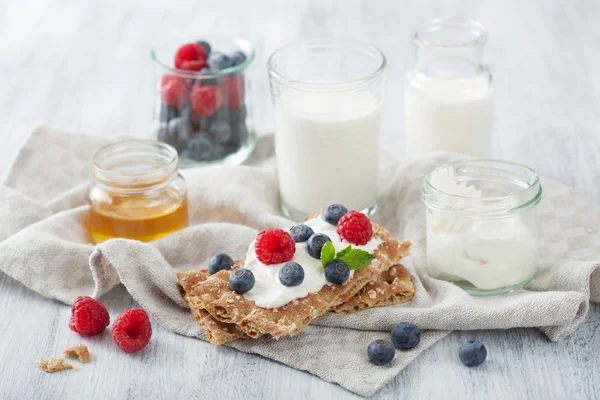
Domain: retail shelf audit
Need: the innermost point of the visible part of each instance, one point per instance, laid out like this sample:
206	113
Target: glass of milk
327	96
448	95
482	225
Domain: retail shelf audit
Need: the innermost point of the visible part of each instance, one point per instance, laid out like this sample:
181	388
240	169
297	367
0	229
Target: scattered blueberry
381	352
333	213
201	147
167	112
237	57
220	131
316	243
292	274
337	271
206	46
219	262
218	61
472	353
406	336
241	280
301	233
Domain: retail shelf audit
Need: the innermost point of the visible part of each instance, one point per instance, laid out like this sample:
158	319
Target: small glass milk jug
448	95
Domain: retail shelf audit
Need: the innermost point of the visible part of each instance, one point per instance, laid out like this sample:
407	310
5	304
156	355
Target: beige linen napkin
45	245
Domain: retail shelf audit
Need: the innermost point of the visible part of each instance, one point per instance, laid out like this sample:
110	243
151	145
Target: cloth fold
45	245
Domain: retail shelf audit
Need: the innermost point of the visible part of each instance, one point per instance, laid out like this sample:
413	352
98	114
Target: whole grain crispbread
391	287
214	295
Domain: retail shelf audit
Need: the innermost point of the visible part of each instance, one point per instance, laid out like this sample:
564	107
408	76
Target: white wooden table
84	66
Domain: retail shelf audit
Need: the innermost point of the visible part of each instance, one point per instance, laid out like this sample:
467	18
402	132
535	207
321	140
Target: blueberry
406	336
219	262
240	132
316	243
472	353
218	61
220	131
381	352
292	274
206	46
167	112
201	147
207	81
165	136
238	114
175	125
241	280
337	271
237	57
301	233
333	213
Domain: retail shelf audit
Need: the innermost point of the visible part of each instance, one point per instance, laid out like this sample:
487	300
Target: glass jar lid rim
106	174
250	55
327	86
528	195
479	32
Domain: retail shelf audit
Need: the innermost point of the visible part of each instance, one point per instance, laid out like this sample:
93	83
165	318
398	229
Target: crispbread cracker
215	296
390	287
216	332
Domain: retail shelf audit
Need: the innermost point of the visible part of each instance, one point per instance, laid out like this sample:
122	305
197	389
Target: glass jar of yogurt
327	97
482	227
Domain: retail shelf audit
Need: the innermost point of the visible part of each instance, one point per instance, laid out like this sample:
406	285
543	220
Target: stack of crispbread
226	315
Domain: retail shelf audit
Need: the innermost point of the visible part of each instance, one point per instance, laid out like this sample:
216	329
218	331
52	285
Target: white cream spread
268	292
489	253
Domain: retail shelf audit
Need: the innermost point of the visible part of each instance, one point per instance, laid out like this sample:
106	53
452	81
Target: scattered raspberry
89	317
132	330
191	57
233	89
274	246
173	90
205	100
355	228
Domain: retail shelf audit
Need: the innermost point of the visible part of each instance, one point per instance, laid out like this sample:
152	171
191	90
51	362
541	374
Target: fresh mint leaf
355	258
327	253
344	251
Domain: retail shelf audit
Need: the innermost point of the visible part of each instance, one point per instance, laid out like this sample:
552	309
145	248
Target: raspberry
205	100
355	228
233	89
132	330
173	90
89	317
274	246
191	57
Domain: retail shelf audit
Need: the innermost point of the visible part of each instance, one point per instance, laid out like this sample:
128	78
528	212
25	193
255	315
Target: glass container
137	192
327	96
448	96
482	227
206	115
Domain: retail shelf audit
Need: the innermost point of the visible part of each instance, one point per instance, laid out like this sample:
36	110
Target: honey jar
137	192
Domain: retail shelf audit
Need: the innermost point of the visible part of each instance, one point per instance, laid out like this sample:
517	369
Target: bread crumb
80	351
53	364
372	294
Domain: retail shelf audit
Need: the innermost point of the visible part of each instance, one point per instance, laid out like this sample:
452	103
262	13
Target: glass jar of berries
202	105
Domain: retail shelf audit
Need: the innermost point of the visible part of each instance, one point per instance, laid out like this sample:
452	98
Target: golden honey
137	192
